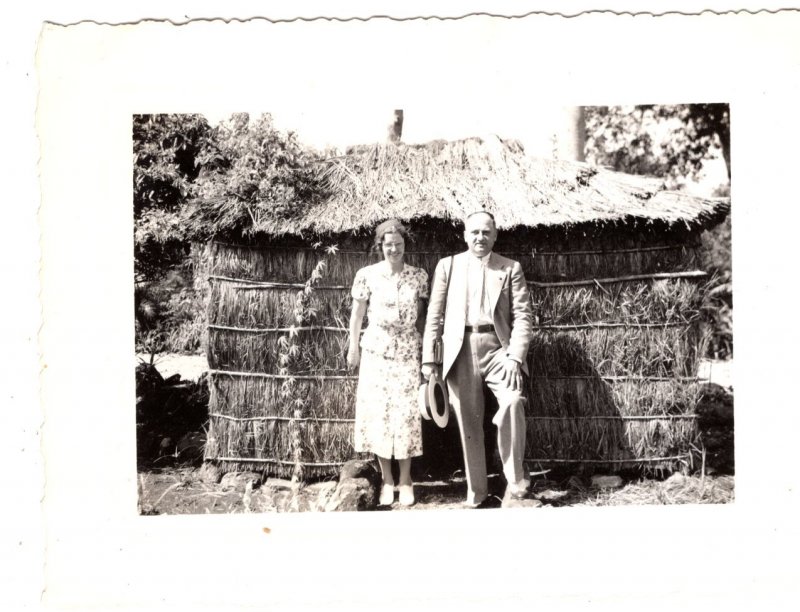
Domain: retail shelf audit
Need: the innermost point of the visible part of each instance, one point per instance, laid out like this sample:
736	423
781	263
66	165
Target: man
483	315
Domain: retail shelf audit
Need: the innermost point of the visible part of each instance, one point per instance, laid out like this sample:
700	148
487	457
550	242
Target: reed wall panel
232	304
663	351
254	397
593	440
319	351
294	265
634	303
612	364
598	397
666	351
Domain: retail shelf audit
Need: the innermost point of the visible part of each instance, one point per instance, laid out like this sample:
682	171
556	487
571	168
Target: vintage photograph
381	313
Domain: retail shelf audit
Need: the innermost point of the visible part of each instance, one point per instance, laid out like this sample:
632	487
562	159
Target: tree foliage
191	181
251	172
165	166
673	142
669	141
717	261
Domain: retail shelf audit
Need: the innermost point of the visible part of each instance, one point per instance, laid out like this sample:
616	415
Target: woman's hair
390	226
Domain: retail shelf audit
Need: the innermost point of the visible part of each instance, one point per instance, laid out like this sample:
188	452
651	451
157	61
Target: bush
170	314
165	167
718	311
171	417
253	175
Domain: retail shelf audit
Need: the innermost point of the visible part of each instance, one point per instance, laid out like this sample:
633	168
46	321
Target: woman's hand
353	357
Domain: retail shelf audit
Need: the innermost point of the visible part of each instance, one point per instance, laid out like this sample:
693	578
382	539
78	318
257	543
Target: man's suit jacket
509	298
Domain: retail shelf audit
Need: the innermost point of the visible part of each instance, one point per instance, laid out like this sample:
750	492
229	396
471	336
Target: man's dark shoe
489	502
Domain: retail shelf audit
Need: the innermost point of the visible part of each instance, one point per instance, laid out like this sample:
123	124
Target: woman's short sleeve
360	286
422	279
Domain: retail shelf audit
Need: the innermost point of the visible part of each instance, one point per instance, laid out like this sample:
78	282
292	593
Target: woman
391	293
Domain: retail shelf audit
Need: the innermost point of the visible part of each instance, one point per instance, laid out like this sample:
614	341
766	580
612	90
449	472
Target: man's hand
353	357
512	374
429	368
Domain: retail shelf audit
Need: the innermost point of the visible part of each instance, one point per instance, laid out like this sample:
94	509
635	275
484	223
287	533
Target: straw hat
433	401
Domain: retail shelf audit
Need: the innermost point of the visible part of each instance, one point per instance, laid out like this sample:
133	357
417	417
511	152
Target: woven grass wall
613	363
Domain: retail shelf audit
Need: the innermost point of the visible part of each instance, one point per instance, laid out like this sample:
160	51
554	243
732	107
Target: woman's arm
356	319
421	309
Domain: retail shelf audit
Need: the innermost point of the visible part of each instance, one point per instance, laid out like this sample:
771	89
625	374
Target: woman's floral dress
387	416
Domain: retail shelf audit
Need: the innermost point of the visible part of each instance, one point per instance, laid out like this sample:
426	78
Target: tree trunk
396	127
725	142
571	135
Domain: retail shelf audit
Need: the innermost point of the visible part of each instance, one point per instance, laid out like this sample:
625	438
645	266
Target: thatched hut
611	259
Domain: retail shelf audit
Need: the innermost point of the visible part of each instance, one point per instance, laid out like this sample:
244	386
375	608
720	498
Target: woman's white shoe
406	495
387	495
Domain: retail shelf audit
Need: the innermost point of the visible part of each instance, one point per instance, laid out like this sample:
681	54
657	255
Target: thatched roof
448	180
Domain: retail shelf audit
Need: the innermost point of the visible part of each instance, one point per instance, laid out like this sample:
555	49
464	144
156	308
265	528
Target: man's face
480	234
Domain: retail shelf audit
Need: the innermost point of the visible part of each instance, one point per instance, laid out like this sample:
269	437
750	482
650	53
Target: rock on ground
209	473
320	493
356	468
606	482
237	481
353	494
278	495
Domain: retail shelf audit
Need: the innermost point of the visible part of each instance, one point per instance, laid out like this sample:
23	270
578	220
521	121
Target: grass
180	491
677	489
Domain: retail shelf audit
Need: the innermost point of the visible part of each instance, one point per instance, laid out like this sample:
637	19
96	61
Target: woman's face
393	247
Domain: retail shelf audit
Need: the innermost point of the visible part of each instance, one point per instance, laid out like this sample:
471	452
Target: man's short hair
481	212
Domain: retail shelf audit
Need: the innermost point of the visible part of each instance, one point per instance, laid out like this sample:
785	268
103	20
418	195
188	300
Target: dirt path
190	367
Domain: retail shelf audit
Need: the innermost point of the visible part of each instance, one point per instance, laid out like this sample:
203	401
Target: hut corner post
395	130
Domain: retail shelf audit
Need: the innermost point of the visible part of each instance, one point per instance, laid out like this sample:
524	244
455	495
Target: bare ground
180	491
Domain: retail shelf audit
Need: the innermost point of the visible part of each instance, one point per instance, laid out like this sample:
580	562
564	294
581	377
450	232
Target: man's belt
479	329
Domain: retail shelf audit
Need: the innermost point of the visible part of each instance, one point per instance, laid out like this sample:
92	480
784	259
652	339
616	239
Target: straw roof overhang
449	179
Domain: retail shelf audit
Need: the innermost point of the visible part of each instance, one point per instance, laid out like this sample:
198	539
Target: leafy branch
289	357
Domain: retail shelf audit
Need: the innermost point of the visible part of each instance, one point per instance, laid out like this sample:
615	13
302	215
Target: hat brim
438	401
422	402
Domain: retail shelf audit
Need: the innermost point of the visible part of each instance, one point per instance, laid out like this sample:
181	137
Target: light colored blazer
509	297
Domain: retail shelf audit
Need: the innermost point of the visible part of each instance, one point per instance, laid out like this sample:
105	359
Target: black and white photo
292	283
